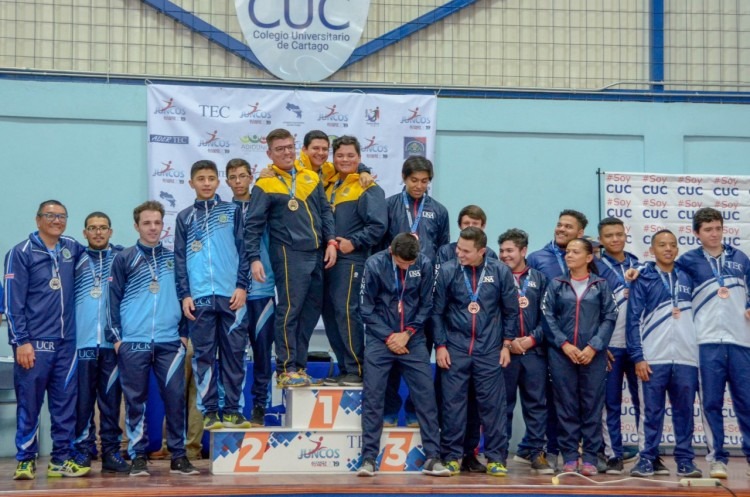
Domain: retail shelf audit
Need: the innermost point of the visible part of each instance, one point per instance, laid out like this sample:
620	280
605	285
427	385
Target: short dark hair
706	215
346	140
97	214
519	238
609	221
50	202
580	217
474	212
315	134
661	232
589	247
203	164
476	235
236	164
405	246
415	164
149	205
277	134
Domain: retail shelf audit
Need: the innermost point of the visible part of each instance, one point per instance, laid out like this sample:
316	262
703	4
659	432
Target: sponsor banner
324	408
648	203
190	123
307	43
293	451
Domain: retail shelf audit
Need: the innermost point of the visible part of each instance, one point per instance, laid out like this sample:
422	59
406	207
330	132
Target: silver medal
55	283
96	292
196	246
153	287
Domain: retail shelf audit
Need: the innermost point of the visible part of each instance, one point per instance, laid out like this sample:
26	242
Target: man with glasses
98	377
294	207
40	298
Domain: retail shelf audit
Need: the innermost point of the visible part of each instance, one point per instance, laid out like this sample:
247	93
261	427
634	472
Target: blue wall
521	160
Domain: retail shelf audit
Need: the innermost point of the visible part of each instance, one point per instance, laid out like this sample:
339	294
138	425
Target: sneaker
114	463
68	468
471	464
629	453
310	379
496	469
453	467
211	421
351	380
642	469
83	460
718	470
235	420
333	381
291	380
181	466
26	470
139	467
570	467
390	421
433	467
367	468
258	416
588	469
615	466
540	466
659	467
688	470
523	457
411	420
601	462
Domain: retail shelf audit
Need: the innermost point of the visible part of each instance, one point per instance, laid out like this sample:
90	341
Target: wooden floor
518	482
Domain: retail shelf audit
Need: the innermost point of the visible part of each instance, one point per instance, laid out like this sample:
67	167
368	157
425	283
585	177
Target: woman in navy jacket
579	316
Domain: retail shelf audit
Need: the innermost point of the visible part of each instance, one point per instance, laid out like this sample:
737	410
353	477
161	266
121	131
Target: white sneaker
718	470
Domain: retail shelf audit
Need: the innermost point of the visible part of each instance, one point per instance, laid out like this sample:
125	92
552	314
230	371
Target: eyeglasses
288	148
241	177
51	217
97	229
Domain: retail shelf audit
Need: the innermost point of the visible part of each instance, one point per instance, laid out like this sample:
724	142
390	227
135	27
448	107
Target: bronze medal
293	204
523	302
676	312
474	308
723	292
400	307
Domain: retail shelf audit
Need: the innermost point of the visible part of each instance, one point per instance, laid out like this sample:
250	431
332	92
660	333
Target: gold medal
196	246
474	308
523	302
55	283
723	292
293	204
96	292
153	287
676	312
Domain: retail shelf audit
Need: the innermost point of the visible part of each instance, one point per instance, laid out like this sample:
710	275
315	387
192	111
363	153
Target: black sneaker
522	456
471	464
351	380
660	468
540	466
181	466
211	421
601	462
615	466
258	416
367	468
139	467
81	459
114	463
333	381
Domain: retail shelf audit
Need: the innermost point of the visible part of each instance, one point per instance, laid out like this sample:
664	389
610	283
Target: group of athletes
560	327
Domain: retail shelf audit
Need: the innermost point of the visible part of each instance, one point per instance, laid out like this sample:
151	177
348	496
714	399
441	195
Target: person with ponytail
579	317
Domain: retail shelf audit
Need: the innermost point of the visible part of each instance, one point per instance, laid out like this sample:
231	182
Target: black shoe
114	463
181	466
139	467
83	460
351	380
211	421
522	456
540	466
471	464
659	468
601	462
615	466
258	416
332	381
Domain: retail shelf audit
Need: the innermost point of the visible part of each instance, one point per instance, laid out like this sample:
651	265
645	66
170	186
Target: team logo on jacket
489	279
428	214
170	264
223	219
302	41
66	254
416	273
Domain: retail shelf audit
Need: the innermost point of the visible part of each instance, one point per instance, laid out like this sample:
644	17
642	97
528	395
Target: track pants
343	323
527	374
622	367
259	320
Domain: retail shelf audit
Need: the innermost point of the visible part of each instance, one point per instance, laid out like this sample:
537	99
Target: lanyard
333	192
200	227
671	288
54	254
154	274
97	277
559	257
413	223
293	189
620	275
521	291
473	294
716	270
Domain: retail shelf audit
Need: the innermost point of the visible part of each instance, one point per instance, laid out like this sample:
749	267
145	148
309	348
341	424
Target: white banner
190	123
648	203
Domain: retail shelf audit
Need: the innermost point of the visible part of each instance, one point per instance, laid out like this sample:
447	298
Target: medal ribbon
54	254
620	275
154	274
521	293
199	230
293	189
333	192
716	270
92	267
413	223
671	288
474	295
559	257
401	310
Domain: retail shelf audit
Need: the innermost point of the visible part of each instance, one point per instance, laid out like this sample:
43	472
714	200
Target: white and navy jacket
653	335
92	313
614	272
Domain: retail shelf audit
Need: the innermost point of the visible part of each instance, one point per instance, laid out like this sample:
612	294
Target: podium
322	433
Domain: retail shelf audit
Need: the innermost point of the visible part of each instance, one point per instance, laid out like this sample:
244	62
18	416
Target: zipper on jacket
473	316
